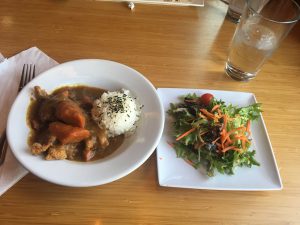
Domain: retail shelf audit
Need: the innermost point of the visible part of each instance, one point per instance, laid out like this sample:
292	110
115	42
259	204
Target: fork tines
28	73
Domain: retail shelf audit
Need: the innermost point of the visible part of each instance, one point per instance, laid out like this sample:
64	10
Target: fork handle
3	147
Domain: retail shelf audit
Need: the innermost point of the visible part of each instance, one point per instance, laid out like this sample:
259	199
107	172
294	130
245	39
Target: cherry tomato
206	98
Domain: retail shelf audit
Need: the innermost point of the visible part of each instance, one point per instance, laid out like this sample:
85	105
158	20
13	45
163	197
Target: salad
212	134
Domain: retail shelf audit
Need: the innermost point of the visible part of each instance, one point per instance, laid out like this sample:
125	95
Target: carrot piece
225	118
226	144
207	114
67	134
70	113
214	142
244	140
228	140
232	131
242	137
186	133
204	132
189	162
202	116
243	143
248	128
219	112
223	135
231	148
219	146
215	108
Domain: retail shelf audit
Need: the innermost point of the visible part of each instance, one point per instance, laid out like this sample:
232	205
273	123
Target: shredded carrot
231	148
227	141
219	112
225	122
217	117
204	132
223	135
248	125
186	133
241	128
242	137
226	144
189	162
207	114
248	128
243	143
219	146
202	116
214	142
232	131
215	108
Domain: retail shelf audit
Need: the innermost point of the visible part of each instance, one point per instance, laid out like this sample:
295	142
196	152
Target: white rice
117	112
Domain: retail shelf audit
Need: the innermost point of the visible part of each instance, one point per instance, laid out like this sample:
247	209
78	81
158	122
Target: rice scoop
117	112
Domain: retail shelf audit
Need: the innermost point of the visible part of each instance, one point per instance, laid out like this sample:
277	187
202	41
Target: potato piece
68	134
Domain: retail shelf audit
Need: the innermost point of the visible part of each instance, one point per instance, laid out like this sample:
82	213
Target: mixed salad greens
212	134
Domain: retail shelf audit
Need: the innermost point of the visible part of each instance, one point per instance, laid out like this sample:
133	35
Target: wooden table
173	47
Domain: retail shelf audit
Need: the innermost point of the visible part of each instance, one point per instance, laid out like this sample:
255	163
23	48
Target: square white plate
175	172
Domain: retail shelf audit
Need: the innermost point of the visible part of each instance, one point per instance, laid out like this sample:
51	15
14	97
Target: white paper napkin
1	58
10	72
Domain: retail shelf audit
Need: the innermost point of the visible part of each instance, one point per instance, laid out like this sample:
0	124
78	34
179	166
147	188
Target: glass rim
297	18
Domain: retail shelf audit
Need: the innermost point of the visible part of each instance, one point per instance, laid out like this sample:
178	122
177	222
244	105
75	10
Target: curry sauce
43	112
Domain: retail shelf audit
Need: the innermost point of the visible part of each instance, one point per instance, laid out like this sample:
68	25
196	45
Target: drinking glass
263	26
235	9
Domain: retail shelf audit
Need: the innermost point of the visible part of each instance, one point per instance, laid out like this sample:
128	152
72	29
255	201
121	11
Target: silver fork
28	73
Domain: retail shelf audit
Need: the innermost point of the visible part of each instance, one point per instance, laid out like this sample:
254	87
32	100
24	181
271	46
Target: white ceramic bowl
97	73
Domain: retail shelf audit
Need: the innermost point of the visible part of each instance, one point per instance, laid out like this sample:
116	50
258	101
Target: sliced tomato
206	98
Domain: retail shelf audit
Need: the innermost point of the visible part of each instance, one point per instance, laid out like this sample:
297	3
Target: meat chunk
72	151
48	103
40	93
57	152
35	124
39	147
102	138
61	94
90	143
89	151
47	111
86	102
68	134
69	112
